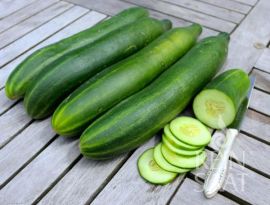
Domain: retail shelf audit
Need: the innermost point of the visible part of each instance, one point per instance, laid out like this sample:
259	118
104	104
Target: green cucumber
180	151
217	105
22	75
185	162
190	131
127	77
52	85
137	118
151	172
164	164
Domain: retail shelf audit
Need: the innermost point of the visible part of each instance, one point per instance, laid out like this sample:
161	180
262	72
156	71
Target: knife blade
217	173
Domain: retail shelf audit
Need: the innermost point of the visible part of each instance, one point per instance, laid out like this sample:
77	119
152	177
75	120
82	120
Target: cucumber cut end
151	172
214	108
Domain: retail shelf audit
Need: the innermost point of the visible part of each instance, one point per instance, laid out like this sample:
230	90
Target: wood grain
262	80
260	101
263	62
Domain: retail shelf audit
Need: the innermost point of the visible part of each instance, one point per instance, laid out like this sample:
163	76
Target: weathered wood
241	182
39	175
30	24
26	42
24	13
189	15
90	177
127	187
263	62
257	125
209	9
246	150
26	145
248	2
5	103
262	80
190	192
249	38
260	101
12	122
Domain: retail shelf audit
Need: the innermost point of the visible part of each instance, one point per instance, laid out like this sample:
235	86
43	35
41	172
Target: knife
217	173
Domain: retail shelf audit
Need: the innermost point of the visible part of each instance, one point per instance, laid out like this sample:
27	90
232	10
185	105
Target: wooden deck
37	166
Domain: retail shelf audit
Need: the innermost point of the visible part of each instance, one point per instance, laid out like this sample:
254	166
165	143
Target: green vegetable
125	78
51	86
217	105
20	78
139	117
151	172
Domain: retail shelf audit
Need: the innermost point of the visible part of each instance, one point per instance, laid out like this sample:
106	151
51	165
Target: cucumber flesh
164	164
190	131
174	141
151	172
180	151
183	161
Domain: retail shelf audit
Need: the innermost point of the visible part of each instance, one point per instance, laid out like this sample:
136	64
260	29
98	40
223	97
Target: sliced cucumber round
164	164
183	161
177	143
151	172
190	131
180	151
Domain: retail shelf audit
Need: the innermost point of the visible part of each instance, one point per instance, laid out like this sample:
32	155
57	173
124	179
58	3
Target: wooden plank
26	42
186	14
5	103
260	101
12	122
191	192
127	187
257	125
263	62
84	22
230	4
248	39
26	145
248	2
246	150
262	80
9	6
90	177
241	182
27	186
24	13
209	9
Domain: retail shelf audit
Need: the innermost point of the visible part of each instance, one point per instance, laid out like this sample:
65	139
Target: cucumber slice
190	131
183	161
162	162
174	141
151	172
180	151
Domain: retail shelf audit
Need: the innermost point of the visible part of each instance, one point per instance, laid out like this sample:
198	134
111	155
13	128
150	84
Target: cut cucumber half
164	164
177	143
180	151
190	131
183	161
151	172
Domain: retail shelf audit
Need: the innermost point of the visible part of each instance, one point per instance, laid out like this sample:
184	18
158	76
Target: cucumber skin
87	102
73	69
234	83
139	117
19	79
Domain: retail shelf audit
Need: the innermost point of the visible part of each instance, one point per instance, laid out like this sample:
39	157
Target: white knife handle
218	170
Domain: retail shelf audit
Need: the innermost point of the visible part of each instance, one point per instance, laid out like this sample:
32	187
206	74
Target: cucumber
151	172
164	164
22	75
127	77
190	131
137	118
175	142
180	151
185	162
217	105
52	85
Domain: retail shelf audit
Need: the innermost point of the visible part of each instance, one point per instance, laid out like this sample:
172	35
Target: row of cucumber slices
181	150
